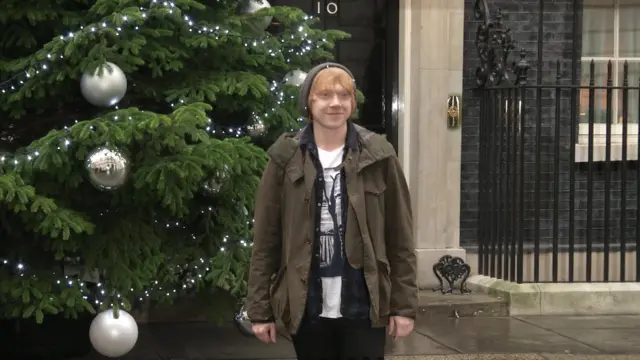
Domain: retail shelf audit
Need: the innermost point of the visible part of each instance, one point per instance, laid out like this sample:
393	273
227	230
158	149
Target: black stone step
436	305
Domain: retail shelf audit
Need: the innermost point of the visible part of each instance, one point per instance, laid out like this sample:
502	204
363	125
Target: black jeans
339	339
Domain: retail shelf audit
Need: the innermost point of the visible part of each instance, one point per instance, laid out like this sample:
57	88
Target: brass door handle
453	111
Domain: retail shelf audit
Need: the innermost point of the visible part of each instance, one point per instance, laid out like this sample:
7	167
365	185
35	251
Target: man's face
331	107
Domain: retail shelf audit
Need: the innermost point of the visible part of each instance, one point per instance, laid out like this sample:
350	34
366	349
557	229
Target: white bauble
106	90
295	77
255	5
113	337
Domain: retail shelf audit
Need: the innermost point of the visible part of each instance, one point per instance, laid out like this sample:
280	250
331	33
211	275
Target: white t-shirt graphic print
331	244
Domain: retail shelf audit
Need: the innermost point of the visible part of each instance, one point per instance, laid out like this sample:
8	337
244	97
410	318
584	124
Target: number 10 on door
331	8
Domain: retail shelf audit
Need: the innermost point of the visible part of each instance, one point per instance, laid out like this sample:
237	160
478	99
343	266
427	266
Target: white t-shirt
331	244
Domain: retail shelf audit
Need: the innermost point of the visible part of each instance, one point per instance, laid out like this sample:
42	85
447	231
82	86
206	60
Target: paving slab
475	335
600	322
618	334
416	344
201	341
494	357
516	357
589	357
508	357
210	341
470	357
478	338
435	305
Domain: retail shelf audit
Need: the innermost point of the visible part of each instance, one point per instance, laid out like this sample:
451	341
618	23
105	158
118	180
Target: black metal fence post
556	196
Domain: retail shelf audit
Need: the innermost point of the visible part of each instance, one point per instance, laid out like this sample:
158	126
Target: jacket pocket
374	195
278	293
276	280
374	186
384	287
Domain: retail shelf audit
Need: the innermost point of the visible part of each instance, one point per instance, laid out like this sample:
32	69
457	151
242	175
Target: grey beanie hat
305	87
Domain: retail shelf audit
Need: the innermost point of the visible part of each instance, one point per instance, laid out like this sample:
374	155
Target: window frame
600	129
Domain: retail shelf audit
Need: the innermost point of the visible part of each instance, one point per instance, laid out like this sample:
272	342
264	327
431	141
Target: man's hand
265	332
400	326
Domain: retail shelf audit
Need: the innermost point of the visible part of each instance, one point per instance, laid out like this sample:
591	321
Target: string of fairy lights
190	273
217	32
200	267
197	271
15	82
213	128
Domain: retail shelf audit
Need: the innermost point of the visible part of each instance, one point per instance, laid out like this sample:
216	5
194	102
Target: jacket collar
308	141
365	148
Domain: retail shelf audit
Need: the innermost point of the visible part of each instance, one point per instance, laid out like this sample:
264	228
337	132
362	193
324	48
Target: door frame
392	67
408	64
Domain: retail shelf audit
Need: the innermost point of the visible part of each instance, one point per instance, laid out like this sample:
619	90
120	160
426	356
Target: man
333	253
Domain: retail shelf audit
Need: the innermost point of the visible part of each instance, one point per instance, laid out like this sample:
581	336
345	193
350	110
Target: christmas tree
132	138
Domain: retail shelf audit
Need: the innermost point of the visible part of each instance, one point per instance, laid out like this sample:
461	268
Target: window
610	32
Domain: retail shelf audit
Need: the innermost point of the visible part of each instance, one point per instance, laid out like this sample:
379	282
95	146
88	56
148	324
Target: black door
371	53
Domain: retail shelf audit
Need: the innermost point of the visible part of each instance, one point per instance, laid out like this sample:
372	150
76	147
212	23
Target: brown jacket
379	231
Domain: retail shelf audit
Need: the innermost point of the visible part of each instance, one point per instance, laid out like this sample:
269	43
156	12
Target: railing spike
494	44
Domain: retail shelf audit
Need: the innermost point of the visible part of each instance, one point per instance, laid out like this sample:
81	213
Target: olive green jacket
379	231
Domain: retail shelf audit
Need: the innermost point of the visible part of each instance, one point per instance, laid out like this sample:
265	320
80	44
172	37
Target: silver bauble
295	77
108	168
211	187
106	90
255	5
113	337
242	322
214	185
256	129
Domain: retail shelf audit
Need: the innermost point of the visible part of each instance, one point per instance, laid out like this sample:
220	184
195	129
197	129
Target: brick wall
522	17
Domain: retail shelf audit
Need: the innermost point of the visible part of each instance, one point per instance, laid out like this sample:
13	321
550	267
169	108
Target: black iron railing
558	179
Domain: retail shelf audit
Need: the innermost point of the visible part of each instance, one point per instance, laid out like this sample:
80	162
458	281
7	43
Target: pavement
520	337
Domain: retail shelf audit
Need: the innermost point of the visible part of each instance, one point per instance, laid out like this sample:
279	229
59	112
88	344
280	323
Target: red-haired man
333	252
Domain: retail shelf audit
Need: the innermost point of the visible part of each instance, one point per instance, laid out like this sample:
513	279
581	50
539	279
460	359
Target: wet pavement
535	337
